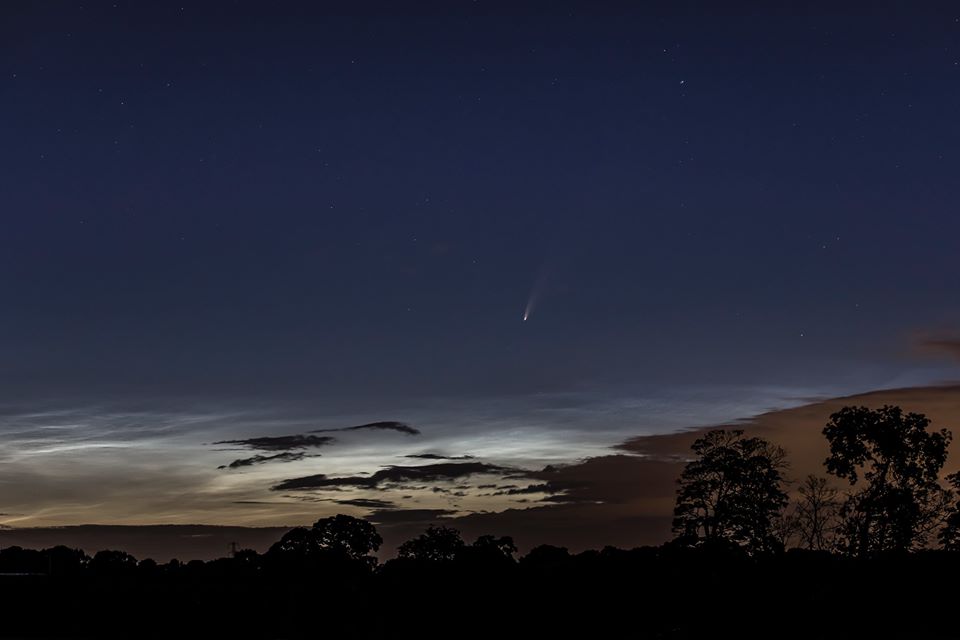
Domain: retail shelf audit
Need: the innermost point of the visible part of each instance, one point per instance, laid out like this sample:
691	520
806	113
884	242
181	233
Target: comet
535	291
531	303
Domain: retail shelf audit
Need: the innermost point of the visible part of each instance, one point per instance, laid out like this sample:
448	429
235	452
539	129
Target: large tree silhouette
731	493
900	501
112	563
340	536
352	536
488	552
436	544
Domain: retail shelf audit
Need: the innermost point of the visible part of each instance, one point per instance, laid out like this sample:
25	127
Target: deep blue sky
355	201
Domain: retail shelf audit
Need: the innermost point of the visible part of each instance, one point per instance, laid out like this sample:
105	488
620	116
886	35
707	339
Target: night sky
518	234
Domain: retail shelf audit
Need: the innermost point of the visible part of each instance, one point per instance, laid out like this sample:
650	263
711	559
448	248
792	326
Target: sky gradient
527	234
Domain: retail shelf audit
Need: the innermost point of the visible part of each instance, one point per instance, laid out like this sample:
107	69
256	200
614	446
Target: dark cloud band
437	456
286	456
280	443
382	426
425	473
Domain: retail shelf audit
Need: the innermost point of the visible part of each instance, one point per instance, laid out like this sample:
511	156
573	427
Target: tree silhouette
63	560
785	527
488	552
502	546
546	556
112	563
355	537
950	535
299	541
899	460
17	559
436	544
731	493
339	536
816	513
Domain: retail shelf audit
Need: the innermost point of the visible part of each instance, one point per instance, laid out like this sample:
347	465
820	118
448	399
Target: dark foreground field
643	593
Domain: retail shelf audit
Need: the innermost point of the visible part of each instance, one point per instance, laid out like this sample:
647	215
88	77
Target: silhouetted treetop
111	563
340	536
899	461
436	544
488	552
731	492
354	536
885	445
502	546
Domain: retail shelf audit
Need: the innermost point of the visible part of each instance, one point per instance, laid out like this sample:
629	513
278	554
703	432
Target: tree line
734	492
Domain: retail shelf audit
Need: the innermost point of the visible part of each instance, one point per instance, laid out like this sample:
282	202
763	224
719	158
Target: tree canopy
731	492
436	544
340	535
900	500
353	536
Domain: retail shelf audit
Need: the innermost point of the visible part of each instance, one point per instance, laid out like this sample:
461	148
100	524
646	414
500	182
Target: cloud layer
147	465
292	443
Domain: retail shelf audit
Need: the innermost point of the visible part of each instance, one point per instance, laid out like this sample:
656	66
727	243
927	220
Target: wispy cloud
286	456
948	345
382	426
367	503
